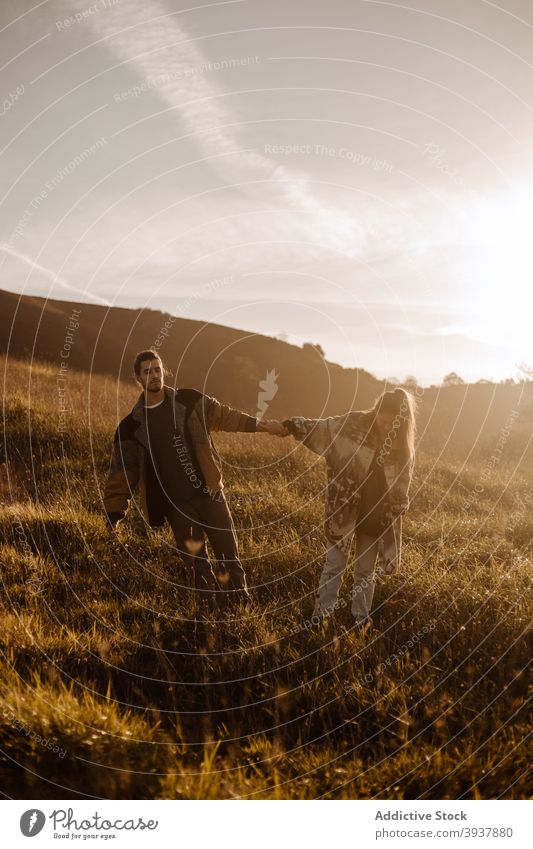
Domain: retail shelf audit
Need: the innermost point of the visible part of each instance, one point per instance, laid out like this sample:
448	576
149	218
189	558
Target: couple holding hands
163	449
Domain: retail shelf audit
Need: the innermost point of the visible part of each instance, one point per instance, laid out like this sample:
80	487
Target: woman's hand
396	509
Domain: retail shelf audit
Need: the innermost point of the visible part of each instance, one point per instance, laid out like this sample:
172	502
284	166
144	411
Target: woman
370	457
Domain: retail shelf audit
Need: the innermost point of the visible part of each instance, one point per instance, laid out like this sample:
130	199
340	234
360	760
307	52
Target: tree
452	379
308	346
410	383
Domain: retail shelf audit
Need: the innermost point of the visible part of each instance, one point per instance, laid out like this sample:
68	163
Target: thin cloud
54	278
160	49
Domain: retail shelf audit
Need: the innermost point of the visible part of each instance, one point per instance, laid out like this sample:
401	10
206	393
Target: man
164	448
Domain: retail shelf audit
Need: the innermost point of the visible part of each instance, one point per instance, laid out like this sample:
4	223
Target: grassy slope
103	657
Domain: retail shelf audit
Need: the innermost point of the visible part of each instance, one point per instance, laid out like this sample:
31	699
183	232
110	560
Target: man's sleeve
122	479
219	416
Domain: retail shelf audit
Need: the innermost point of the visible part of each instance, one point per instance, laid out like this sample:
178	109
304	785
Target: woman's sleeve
399	495
315	434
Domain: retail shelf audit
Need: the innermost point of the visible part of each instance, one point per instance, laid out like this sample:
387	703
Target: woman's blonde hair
402	405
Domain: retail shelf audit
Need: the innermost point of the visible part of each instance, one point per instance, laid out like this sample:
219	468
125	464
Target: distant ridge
233	365
224	362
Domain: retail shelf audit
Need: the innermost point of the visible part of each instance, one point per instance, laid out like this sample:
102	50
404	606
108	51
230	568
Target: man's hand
111	534
273	427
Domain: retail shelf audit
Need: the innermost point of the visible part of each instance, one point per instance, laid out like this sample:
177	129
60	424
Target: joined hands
273	427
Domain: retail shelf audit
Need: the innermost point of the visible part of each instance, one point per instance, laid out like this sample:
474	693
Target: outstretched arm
219	416
315	434
273	427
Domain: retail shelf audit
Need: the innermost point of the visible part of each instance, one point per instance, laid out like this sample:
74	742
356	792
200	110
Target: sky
355	173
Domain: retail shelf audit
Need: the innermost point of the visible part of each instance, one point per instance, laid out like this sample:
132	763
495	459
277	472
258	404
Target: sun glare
500	231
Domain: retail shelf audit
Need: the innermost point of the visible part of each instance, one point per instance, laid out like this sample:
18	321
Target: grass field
104	661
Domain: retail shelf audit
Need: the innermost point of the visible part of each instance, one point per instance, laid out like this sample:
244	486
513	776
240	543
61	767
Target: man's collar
138	410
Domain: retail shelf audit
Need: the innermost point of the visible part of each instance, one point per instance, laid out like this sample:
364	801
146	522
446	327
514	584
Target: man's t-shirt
371	507
175	471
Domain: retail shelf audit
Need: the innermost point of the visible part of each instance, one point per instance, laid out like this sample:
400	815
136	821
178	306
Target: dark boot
232	585
205	584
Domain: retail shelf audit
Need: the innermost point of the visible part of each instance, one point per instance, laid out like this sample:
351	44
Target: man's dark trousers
191	521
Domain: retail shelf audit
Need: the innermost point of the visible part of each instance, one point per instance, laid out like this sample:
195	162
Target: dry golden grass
103	656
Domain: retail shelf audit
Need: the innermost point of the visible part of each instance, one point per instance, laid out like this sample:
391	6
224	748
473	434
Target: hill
231	365
222	361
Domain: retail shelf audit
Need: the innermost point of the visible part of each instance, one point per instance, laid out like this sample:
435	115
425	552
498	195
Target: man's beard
153	387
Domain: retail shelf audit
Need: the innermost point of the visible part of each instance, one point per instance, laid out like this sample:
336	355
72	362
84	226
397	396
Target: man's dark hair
141	357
